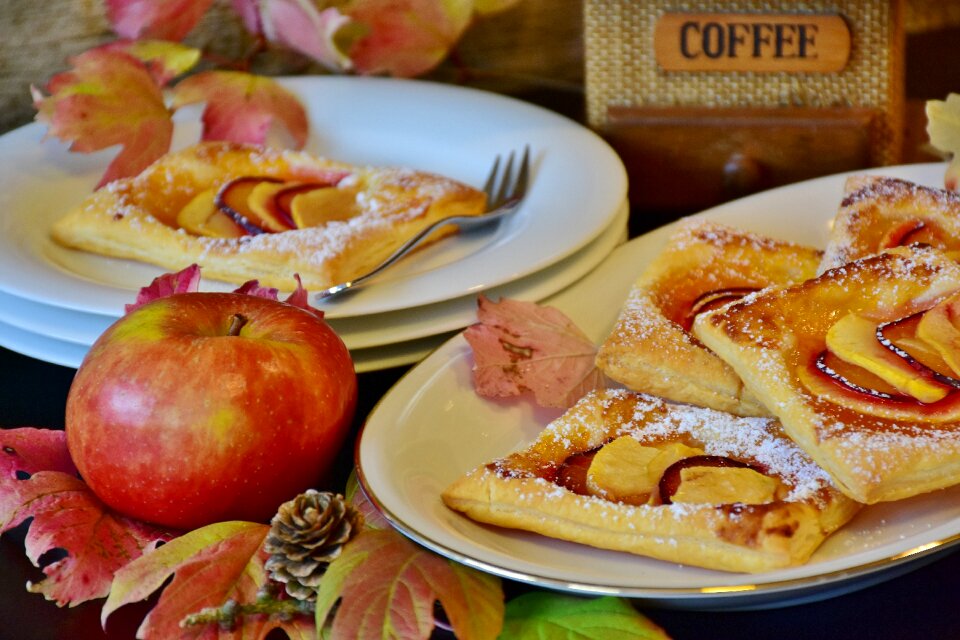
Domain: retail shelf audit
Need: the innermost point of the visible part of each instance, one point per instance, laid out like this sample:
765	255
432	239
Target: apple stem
236	323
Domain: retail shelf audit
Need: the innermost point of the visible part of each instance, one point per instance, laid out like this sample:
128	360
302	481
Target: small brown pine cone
307	533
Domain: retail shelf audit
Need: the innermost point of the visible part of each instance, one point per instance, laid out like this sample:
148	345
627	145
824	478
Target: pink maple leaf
188	281
38	481
184	281
108	98
302	26
160	19
406	38
249	12
242	107
165	60
27	450
519	346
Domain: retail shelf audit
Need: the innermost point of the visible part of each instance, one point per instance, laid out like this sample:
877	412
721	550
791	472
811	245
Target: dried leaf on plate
520	346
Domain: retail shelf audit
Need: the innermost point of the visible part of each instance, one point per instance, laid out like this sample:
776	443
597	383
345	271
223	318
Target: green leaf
551	616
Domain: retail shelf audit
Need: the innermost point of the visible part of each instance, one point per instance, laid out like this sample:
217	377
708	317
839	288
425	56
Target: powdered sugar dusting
759	441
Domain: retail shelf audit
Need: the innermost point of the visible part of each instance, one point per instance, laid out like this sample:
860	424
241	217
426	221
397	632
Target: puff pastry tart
879	213
245	212
704	265
627	471
861	365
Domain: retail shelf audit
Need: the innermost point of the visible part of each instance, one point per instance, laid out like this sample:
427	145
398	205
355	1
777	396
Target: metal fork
505	192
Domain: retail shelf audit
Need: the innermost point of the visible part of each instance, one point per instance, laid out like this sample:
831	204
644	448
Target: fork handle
401	251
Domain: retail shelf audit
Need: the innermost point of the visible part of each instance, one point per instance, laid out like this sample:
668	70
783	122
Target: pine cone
307	533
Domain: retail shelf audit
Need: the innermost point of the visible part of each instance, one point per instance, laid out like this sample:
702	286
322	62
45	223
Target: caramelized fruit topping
721	493
714	299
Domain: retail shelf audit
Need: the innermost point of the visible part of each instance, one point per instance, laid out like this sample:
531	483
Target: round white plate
362	332
71	354
578	184
432	427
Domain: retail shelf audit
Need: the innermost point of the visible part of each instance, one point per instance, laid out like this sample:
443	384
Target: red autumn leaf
66	515
164	59
406	38
372	517
520	346
184	281
108	98
302	26
210	565
28	450
187	280
241	107
387	587
159	19
249	12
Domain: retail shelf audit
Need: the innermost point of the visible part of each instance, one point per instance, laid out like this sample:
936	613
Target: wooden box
713	100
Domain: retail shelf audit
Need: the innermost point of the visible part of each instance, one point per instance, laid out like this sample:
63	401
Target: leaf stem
229	615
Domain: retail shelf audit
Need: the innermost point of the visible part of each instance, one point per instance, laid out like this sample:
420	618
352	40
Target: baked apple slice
618	471
910	231
262	205
938	329
854	339
712	479
713	299
202	217
233	198
824	375
322	204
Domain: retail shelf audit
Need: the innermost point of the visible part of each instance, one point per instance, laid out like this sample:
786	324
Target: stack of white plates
54	302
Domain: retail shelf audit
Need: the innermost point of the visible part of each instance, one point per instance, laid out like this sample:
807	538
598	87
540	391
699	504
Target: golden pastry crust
650	348
136	218
521	491
877	442
879	213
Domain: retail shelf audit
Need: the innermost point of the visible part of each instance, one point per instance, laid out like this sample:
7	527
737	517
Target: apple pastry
878	213
862	367
704	265
627	471
245	212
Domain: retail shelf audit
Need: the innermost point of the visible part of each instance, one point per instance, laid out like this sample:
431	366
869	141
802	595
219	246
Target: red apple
205	407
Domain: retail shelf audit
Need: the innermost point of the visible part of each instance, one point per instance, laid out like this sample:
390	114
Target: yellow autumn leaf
943	124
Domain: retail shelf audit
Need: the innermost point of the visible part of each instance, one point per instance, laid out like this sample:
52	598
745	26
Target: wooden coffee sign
751	42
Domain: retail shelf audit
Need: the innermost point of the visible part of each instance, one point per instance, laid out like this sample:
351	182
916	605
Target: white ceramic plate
578	184
432	427
362	332
71	354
